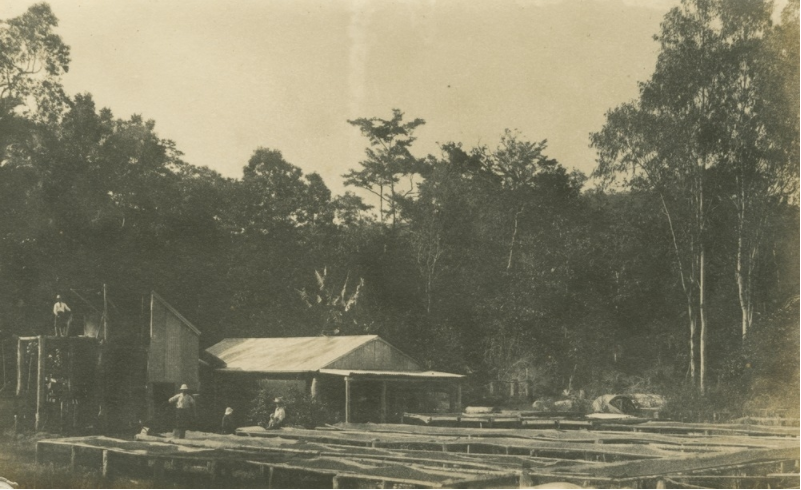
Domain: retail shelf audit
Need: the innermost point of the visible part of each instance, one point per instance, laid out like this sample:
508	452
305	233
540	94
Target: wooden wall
174	350
377	356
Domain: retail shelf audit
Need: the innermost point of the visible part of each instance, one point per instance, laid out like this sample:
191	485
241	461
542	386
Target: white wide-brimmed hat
229	411
184	387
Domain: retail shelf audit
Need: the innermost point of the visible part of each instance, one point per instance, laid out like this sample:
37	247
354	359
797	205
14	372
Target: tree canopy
675	270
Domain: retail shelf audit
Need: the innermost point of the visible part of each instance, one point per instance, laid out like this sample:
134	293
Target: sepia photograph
399	244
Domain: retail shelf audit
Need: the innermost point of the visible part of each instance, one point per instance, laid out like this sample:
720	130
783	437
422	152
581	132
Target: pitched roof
155	296
289	355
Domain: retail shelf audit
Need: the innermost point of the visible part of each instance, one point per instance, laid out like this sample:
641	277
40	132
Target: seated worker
277	418
228	424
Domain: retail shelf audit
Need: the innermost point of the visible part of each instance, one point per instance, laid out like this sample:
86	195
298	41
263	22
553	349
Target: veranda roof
390	374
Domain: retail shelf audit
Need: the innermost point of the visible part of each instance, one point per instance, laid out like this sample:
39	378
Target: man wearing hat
228	425
184	411
61	314
277	418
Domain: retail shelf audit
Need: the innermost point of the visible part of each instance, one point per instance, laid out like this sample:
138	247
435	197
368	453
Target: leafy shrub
301	410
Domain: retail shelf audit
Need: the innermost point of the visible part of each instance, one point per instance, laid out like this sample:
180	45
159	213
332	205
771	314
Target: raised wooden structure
363	374
402	456
109	379
43	358
556	420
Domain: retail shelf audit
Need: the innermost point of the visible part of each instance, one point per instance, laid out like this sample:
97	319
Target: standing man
184	411
61	314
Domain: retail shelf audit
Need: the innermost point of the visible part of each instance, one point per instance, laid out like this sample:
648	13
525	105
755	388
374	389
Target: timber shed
362	377
112	372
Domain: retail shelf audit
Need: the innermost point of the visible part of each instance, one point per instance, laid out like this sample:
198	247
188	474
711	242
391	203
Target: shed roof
285	355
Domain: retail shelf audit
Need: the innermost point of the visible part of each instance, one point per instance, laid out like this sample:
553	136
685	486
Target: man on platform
62	315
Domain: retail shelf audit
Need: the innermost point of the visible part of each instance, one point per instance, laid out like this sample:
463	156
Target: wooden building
109	378
172	356
362	376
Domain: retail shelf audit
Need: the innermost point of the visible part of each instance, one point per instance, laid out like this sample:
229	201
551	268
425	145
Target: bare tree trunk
741	287
702	316
685	287
392	203
514	235
693	375
431	268
701	284
381	203
747	248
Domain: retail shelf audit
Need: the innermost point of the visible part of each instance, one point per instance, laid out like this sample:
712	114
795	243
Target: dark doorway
163	412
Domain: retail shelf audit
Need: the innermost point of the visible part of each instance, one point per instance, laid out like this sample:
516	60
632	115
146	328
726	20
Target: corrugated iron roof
289	354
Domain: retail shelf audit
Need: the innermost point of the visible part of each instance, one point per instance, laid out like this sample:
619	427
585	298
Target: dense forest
673	268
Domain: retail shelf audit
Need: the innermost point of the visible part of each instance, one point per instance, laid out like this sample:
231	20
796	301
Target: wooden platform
201	460
404	456
572	421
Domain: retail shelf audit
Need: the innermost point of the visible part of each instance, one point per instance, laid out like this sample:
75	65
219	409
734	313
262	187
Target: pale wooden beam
19	366
347	400
40	386
383	402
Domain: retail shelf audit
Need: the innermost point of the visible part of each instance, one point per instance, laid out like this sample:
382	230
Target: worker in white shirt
62	316
184	411
277	417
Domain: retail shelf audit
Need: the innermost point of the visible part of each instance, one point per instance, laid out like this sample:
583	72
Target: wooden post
383	402
270	476
105	314
40	386
151	409
314	389
347	401
106	464
525	480
158	470
20	362
71	402
335	480
459	396
74	457
100	387
452	399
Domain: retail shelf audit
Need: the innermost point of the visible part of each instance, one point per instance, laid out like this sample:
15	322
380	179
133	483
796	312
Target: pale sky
222	78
